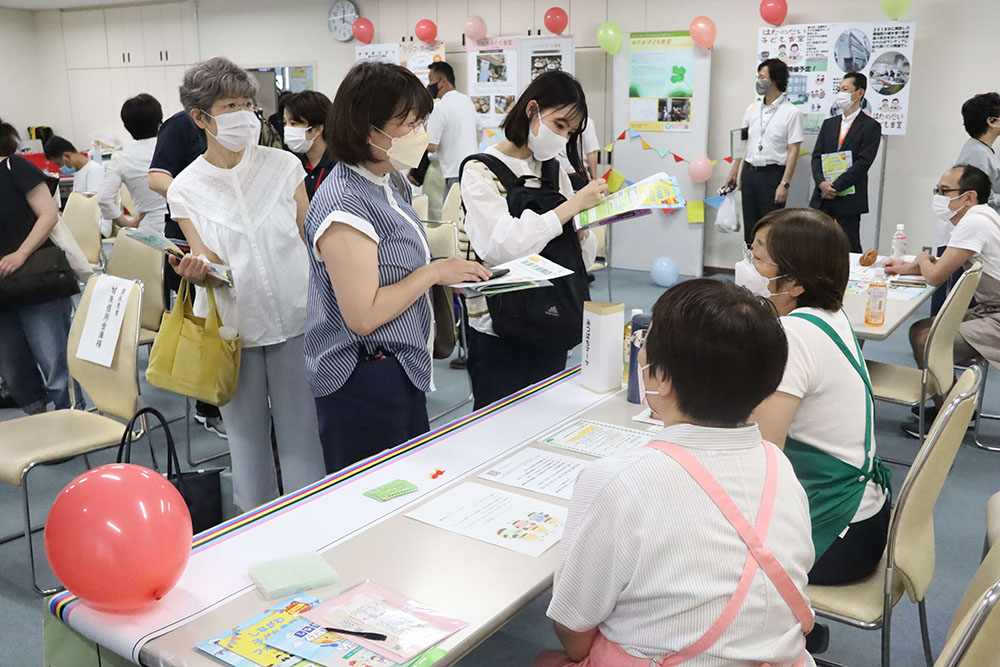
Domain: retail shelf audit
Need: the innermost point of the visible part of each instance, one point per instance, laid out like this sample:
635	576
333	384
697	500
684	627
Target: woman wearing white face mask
369	335
305	120
243	205
545	120
822	413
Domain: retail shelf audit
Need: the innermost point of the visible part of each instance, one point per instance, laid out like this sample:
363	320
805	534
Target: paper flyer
244	645
498	517
835	164
658	191
537	470
493	77
595	438
525	273
303	638
103	325
168	247
661	81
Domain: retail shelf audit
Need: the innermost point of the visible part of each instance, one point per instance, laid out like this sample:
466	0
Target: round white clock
341	20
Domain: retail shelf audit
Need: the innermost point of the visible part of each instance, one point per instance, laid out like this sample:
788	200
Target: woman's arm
576	644
774	416
191	268
301	208
46	216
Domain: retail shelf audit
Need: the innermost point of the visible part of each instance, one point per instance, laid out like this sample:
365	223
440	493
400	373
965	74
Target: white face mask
236	130
295	139
940	207
546	144
844	100
643	392
749	277
406	151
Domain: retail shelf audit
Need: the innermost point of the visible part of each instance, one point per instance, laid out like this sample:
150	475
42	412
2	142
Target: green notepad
399	487
294	574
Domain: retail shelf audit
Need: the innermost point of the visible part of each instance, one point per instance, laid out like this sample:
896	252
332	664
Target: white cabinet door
85	39
126	82
189	36
173	76
91	105
152	34
172	33
124	36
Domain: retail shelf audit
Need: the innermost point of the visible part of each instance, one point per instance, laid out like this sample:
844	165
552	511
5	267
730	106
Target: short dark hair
810	248
551	90
975	179
142	116
722	348
8	139
56	146
371	95
778	71
859	79
445	70
977	110
308	106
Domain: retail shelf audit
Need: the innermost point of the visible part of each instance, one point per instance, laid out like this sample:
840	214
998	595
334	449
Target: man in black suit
845	198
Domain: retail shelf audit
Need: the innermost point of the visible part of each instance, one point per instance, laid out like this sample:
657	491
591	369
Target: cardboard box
603	333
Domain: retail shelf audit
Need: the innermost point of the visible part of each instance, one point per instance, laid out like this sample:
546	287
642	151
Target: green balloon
894	8
609	36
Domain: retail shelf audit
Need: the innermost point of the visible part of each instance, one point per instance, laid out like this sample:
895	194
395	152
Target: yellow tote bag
188	356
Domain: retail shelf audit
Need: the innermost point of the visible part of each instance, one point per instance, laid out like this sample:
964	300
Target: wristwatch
786	184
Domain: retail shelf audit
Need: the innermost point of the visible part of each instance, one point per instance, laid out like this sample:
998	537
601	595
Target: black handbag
201	489
44	276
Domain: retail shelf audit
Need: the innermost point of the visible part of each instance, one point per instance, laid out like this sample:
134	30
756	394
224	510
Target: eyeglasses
942	191
748	254
233	106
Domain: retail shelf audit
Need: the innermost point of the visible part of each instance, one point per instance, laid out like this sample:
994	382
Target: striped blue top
355	196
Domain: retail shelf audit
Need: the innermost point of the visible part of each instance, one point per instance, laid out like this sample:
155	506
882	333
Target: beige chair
908	562
421	205
993	520
137	261
83	217
974	637
52	436
913	386
451	209
601	232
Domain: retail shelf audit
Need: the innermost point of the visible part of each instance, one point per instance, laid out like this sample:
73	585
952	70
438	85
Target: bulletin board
414	56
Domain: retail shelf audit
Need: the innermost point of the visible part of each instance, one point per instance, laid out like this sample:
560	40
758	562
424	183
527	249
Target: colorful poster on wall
493	77
545	54
819	55
661	81
387	52
418	56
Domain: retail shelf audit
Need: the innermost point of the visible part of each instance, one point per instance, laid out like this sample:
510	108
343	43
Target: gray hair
212	80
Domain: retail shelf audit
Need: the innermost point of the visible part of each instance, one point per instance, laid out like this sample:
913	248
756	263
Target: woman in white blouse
243	205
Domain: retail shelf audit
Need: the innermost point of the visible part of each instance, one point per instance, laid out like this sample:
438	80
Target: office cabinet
85	39
125	37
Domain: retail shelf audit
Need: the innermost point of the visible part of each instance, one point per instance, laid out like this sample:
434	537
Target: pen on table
373	636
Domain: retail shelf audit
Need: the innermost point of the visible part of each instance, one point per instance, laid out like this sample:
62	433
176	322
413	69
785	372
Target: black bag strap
173	461
503	173
550	173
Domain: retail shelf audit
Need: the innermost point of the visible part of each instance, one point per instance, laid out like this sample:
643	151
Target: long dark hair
551	90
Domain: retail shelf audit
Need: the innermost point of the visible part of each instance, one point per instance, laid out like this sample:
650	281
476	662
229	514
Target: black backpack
543	317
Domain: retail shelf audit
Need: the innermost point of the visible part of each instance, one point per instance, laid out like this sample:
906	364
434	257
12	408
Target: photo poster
545	54
493	77
661	81
819	55
414	56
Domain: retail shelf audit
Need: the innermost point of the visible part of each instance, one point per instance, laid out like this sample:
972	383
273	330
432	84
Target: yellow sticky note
615	180
696	211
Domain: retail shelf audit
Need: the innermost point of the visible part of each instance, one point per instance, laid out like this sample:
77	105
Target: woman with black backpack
519	202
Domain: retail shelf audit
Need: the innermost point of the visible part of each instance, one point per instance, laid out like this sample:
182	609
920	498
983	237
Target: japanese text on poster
661	81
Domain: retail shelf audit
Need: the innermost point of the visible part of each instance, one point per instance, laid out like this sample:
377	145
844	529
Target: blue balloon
664	272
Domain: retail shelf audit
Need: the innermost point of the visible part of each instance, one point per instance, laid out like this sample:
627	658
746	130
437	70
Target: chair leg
193	462
981	416
27	538
924	634
886	627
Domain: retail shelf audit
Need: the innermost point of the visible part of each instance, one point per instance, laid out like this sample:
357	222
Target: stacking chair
420	205
83	217
49	437
908	562
137	261
915	386
451	209
601	233
974	637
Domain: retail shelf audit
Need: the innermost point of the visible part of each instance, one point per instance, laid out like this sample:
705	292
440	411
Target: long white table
363	539
896	310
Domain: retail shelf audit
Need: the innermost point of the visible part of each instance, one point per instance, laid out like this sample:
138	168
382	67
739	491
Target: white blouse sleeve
495	234
344	218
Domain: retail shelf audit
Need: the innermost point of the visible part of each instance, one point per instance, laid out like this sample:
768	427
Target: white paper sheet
103	325
498	517
646	417
537	470
595	438
532	267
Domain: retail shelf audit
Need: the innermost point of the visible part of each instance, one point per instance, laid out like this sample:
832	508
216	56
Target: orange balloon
118	537
703	31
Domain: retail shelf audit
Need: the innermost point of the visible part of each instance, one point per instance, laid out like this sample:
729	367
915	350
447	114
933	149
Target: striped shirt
354	196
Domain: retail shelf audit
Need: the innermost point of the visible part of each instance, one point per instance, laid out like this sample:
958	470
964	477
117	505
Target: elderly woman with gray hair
243	205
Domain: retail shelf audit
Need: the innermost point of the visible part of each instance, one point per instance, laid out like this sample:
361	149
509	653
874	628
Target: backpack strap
503	173
550	173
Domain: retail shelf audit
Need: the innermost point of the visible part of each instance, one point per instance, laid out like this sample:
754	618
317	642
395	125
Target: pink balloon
475	28
364	30
703	31
700	169
556	20
773	11
118	537
426	30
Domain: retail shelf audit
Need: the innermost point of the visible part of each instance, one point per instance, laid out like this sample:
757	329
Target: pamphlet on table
524	273
534	469
595	438
901	288
322	647
168	247
505	519
658	191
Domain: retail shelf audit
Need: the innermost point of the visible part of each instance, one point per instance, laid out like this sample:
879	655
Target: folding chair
974	636
83	217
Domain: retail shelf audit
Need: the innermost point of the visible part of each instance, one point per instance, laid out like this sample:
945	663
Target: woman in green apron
822	413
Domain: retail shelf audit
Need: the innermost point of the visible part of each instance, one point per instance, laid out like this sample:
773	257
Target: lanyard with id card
759	160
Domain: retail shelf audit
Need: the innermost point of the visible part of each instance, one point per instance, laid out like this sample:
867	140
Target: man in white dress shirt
142	116
650	560
87	174
452	124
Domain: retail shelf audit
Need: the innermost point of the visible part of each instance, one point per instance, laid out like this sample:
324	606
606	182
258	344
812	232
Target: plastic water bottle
899	243
627	344
878	296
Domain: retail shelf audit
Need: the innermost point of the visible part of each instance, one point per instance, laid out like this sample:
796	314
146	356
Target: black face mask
432	88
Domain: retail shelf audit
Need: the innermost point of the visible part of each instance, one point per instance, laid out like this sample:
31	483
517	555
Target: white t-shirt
88	178
452	126
131	168
246	215
770	130
979	231
649	559
588	143
831	414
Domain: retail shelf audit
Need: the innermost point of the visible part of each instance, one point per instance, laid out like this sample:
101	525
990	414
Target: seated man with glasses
961	198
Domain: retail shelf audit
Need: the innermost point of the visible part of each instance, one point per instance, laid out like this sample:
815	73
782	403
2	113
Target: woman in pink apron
693	549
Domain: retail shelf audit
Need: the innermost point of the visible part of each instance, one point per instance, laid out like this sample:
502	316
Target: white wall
17	100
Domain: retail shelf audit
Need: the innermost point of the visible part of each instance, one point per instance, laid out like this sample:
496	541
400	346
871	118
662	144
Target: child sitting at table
657	537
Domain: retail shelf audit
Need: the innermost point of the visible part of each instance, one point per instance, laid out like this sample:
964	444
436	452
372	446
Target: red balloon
774	11
556	20
703	31
364	30
118	537
426	30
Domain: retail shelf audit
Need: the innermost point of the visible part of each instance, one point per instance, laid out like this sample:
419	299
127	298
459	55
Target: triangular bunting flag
628	182
632	133
803	151
678	158
607	174
728	159
715	162
716	201
621	136
645	146
490	133
663	153
610	147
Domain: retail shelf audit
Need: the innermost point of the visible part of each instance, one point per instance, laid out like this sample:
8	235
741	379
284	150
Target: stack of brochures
168	247
524	273
658	191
